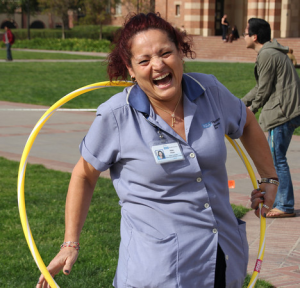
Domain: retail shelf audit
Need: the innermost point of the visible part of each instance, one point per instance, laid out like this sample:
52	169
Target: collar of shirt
139	100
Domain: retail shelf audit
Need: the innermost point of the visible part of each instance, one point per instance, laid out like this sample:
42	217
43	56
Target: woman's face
156	65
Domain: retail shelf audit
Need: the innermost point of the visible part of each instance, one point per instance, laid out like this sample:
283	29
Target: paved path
56	147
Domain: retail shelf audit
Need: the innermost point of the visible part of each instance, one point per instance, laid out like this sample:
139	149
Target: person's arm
294	60
250	96
9	36
223	22
83	180
255	142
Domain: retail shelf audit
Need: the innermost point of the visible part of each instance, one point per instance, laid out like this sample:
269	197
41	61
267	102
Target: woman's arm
81	188
255	142
83	180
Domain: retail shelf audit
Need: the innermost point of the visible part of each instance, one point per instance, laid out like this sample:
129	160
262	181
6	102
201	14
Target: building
37	21
199	17
203	17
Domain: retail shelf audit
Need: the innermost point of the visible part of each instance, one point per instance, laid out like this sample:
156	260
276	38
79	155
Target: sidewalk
56	147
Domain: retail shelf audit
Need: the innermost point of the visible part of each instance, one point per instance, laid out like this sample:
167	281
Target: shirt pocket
152	262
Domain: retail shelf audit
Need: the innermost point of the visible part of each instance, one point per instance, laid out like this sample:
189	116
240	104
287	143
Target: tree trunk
100	34
28	20
65	19
63	35
152	6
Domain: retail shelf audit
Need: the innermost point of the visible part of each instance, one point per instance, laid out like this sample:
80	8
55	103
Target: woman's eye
143	62
167	53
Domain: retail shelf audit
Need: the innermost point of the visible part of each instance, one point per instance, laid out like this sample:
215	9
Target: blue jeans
279	141
8	51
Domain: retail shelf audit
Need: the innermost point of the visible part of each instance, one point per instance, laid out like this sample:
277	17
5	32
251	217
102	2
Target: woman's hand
64	261
265	194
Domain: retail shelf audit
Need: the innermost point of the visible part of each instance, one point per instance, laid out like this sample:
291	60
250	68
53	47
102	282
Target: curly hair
121	55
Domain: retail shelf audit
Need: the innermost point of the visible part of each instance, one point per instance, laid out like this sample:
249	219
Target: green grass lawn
45	83
30	55
45	193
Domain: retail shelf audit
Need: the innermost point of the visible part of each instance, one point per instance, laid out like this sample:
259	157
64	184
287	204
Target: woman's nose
157	62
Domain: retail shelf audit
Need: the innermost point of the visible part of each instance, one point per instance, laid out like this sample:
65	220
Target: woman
177	226
234	34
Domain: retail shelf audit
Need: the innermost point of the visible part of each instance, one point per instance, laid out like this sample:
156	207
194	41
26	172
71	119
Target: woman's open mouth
163	80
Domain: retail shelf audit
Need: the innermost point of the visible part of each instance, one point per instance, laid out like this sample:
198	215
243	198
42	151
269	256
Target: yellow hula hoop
22	169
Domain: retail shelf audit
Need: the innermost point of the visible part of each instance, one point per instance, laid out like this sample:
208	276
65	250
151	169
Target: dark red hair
121	54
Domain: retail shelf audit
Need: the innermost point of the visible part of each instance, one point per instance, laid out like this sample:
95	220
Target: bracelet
269	180
69	244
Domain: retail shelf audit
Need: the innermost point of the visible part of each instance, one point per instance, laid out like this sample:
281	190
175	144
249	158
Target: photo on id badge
167	152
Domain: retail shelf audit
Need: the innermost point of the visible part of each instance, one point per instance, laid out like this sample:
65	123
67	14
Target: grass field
44	83
45	193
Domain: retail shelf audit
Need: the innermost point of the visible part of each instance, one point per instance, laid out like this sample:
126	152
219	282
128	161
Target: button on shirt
171	224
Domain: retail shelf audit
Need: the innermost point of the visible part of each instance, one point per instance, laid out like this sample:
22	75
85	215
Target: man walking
8	39
278	93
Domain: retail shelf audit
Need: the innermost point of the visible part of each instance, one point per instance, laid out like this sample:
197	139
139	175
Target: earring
133	79
182	61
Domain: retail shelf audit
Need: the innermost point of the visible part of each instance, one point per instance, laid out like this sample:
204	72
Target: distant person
8	39
225	25
234	34
182	29
277	92
292	57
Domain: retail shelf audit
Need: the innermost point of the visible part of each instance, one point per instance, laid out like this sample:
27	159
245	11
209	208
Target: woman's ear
130	71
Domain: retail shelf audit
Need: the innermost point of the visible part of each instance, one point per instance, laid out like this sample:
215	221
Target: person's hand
64	261
265	194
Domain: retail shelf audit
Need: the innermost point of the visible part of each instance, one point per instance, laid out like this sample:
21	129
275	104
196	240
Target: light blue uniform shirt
173	214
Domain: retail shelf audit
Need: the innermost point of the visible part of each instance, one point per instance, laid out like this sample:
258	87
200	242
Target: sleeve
233	111
101	146
250	96
10	37
266	72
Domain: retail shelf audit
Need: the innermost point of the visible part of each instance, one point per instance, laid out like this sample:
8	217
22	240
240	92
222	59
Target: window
119	9
177	10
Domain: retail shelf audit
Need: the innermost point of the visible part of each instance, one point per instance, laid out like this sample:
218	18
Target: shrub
86	31
75	44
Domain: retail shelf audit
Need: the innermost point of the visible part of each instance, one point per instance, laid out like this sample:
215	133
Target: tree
9	7
142	6
98	11
60	8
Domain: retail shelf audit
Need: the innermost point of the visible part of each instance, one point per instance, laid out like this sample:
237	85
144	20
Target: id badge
167	152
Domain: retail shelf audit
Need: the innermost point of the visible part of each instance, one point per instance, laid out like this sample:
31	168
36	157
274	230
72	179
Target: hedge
88	45
87	32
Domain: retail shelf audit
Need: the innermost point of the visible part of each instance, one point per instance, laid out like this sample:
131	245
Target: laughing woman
177	226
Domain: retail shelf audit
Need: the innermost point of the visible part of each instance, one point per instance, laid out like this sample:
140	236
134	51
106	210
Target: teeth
162	76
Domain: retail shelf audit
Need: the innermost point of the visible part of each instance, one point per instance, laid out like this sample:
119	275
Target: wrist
71	244
271	180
